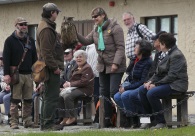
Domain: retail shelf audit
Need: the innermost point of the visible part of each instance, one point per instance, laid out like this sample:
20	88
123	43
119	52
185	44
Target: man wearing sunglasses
15	45
50	50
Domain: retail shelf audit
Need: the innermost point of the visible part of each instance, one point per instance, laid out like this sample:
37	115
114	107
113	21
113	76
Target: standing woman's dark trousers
109	86
96	90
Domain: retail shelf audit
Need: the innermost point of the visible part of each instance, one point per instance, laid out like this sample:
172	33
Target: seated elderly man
82	78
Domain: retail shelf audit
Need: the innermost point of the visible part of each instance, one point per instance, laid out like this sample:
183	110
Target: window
163	23
32	29
84	27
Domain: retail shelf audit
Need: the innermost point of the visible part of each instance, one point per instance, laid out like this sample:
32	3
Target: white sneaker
159	126
145	126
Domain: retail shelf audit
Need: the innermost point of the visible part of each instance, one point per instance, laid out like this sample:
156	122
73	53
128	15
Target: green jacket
48	45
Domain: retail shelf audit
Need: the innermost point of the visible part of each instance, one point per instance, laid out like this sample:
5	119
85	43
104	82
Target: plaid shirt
133	36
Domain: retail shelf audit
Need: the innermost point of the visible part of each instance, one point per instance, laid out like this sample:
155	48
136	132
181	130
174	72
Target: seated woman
138	71
5	96
81	77
170	77
4	89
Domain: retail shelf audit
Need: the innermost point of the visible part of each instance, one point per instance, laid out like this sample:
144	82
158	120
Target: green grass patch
185	131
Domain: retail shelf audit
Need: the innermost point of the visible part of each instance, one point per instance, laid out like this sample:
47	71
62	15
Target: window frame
158	22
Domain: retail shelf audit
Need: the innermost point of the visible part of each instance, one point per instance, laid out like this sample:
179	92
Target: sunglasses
22	24
66	53
95	16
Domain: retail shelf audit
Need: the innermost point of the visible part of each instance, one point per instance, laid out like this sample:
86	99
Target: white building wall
81	10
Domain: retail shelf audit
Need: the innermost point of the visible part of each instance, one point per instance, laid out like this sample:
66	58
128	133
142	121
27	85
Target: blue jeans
150	99
5	99
129	100
109	85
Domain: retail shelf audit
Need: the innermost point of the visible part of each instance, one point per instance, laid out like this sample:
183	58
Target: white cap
68	50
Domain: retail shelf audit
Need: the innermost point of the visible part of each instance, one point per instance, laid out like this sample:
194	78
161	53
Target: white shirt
92	58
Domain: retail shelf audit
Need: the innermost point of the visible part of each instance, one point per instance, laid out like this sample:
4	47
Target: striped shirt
133	36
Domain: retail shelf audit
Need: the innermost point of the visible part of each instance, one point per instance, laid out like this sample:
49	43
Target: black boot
128	122
136	122
108	123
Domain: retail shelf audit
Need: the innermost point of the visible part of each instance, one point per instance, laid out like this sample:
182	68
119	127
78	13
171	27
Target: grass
185	131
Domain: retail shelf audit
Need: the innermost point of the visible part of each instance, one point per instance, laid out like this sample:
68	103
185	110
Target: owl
68	33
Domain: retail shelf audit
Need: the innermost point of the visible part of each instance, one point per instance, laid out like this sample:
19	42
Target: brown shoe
31	126
53	128
14	126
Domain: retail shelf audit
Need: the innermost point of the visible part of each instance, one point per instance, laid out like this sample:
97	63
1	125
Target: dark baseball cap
51	7
158	34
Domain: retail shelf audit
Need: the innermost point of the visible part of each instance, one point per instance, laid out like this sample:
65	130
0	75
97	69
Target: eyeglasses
22	24
95	16
127	19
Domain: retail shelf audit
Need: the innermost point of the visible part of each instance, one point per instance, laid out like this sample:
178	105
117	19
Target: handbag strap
24	54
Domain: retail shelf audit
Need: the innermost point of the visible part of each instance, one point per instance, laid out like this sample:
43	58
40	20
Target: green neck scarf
101	45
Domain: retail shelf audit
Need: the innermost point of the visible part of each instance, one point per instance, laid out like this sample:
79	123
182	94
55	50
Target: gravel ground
5	130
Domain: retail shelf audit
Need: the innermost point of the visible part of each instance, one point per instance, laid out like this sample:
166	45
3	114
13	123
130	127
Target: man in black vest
50	50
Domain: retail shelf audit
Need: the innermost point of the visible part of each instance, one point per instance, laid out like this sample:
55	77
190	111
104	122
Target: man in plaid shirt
132	35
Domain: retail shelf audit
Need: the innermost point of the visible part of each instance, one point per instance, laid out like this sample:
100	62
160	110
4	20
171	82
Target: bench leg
118	122
87	112
36	110
168	114
120	118
101	113
182	113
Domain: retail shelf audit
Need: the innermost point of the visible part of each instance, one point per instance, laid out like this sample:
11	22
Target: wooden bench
182	110
101	113
87	110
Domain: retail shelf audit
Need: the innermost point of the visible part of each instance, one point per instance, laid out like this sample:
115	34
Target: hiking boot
14	126
31	126
159	126
53	128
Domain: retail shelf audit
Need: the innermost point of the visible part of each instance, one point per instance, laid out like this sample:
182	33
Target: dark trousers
70	103
150	99
50	100
96	92
109	85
